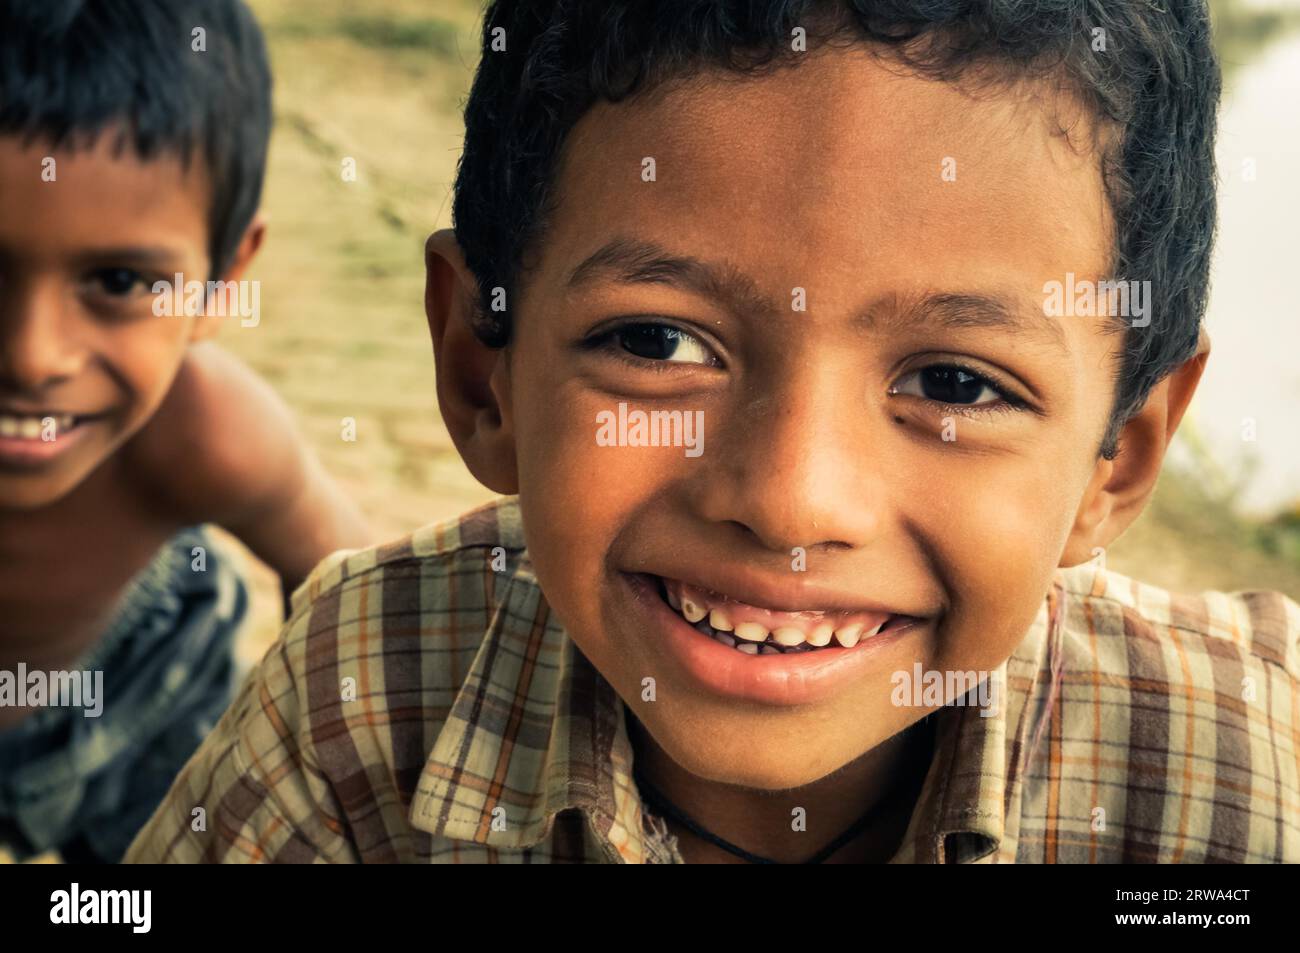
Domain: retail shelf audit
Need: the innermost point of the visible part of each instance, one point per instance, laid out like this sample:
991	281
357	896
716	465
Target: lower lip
28	454
785	679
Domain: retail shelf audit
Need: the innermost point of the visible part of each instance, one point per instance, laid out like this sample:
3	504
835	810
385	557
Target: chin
726	759
27	495
768	776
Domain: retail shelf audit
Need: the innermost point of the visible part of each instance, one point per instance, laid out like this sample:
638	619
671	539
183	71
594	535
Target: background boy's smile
87	344
129	159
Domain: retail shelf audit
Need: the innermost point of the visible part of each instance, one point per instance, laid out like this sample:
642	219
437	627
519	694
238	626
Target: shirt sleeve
251	793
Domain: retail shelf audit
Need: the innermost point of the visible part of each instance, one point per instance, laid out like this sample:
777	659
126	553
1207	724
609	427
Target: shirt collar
973	785
585	763
959	814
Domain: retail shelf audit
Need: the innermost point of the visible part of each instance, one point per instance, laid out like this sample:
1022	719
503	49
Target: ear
1120	488
473	379
206	325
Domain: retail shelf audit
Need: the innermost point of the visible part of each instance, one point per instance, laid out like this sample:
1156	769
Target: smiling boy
839	257
130	152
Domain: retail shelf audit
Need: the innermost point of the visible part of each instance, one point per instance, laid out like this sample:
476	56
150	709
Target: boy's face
847	470
84	360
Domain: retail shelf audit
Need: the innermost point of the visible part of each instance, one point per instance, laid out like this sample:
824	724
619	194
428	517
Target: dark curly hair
1157	82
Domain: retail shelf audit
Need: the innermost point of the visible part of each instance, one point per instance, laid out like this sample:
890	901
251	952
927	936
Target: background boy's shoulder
215	442
223	448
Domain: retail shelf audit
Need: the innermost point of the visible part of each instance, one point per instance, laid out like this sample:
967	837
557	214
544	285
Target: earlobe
1086	534
1120	488
472	379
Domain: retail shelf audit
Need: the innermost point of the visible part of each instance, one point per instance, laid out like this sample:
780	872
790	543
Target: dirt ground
342	331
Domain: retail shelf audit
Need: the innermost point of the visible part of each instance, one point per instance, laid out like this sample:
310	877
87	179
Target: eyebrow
960	311
134	254
143	254
634	261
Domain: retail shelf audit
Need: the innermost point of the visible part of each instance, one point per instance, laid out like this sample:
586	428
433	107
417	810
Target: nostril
768	541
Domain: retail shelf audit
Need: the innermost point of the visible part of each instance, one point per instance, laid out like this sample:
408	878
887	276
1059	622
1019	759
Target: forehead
62	200
832	175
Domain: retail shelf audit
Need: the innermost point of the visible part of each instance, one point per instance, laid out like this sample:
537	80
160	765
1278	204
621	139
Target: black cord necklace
656	799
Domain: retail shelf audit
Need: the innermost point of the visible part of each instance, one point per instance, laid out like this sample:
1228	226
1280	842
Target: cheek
145	358
996	530
576	496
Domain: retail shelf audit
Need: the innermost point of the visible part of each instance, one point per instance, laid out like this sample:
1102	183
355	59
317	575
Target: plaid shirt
424	705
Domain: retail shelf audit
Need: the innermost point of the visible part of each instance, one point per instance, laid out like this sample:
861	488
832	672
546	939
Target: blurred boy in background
133	139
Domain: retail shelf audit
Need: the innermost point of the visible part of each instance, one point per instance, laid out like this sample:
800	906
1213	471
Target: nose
38	345
794	468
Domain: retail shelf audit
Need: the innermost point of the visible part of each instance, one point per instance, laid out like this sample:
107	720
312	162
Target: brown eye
662	342
116	282
950	384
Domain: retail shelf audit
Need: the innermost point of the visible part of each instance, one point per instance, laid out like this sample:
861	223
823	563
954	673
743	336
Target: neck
888	778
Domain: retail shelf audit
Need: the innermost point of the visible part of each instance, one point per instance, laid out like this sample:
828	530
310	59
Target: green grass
1241	33
1194	535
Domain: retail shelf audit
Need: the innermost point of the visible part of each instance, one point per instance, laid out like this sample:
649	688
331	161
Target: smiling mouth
33	426
754	630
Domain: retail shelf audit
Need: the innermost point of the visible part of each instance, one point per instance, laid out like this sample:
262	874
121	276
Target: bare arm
223	448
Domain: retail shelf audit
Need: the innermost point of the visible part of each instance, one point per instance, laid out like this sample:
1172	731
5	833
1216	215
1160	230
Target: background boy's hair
72	69
1156	78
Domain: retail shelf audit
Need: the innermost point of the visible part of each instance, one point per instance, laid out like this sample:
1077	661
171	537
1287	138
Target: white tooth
751	632
718	619
30	429
867	635
749	648
849	635
788	636
821	634
693	612
674	601
8	427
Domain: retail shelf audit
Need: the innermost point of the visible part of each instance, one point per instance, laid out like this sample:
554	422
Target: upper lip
8	410
797	594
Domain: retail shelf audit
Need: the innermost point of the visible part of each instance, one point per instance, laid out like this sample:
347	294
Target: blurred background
343	335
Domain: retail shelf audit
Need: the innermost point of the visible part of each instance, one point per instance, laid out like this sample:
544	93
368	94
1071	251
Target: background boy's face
819	432
79	341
